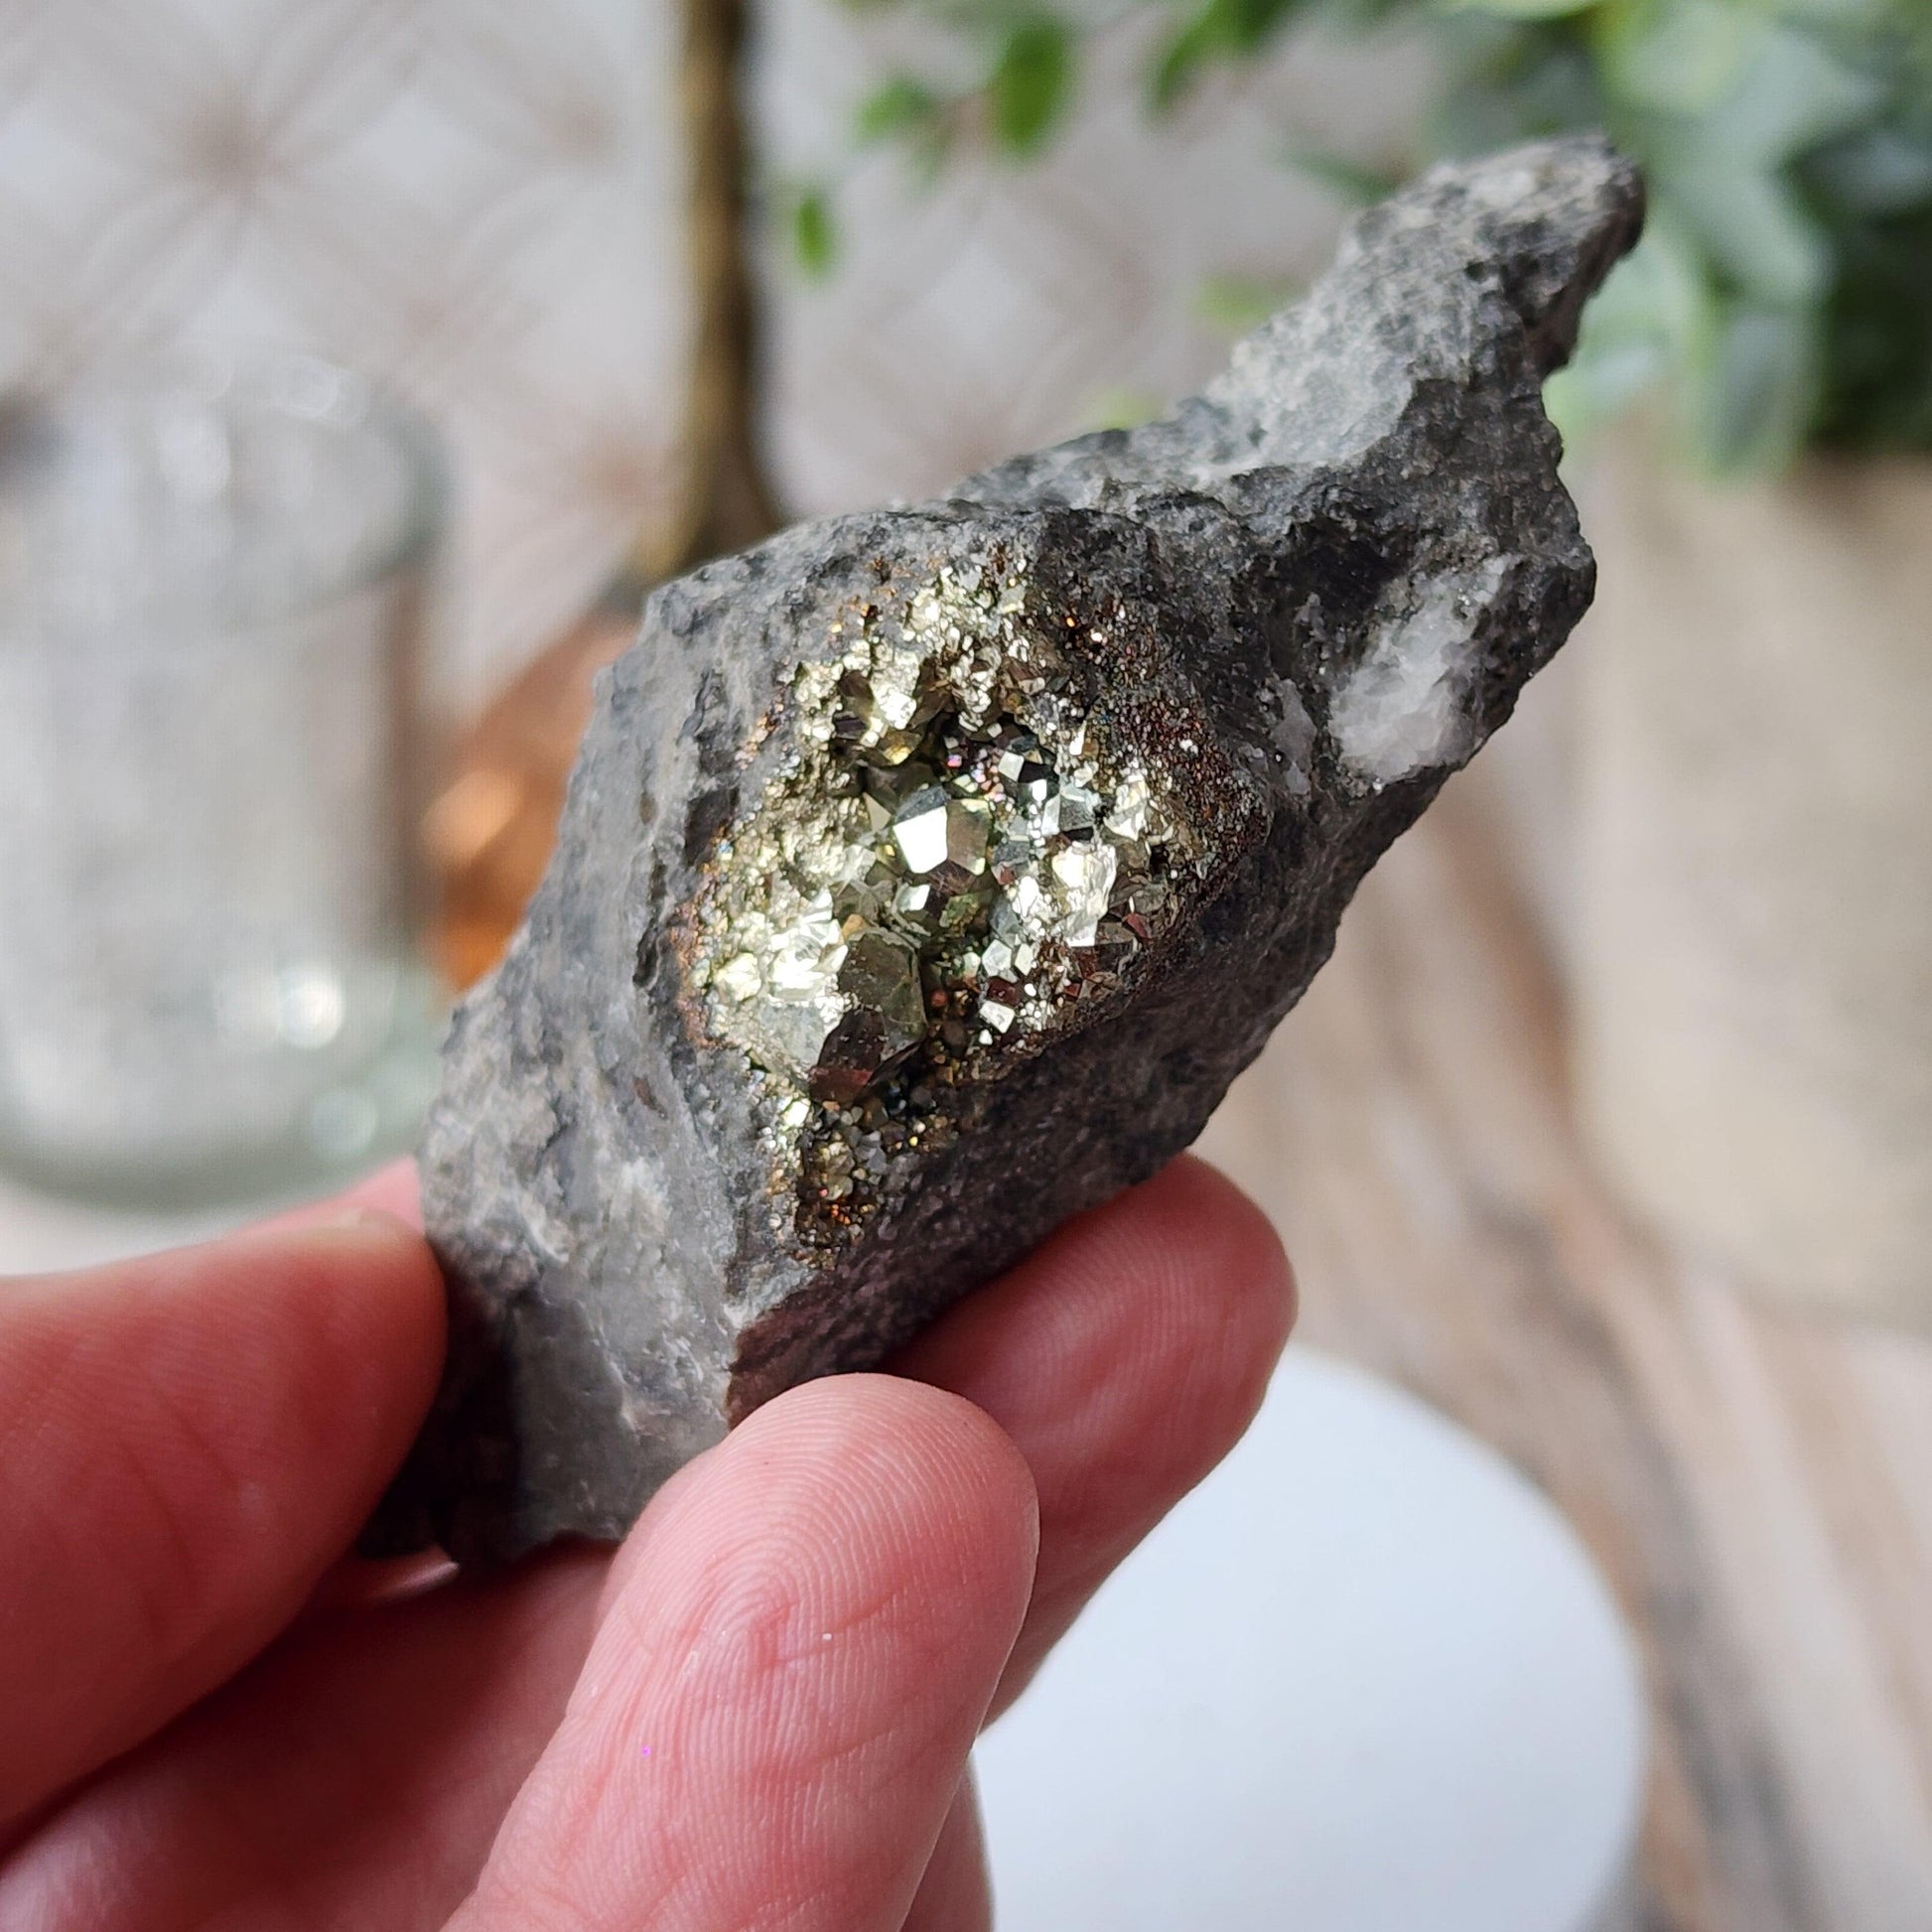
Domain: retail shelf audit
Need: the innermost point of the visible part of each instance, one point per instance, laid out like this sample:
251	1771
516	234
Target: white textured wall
476	200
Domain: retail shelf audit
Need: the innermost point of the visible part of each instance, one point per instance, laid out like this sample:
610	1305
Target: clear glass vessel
217	578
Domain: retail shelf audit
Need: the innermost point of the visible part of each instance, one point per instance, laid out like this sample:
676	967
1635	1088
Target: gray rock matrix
928	874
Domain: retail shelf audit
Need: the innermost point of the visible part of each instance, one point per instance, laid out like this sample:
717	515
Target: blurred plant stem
490	830
725	500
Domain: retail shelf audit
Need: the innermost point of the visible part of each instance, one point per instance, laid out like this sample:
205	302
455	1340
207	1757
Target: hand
756	1712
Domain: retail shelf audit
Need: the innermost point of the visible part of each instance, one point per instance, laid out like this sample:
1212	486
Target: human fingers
1124	1358
349	1780
187	1442
955	1894
391	1189
797	1648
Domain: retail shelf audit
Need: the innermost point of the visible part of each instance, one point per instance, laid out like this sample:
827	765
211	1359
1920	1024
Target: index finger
1124	1357
186	1443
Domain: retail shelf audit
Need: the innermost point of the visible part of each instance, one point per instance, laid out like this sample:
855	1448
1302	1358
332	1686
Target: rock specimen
928	875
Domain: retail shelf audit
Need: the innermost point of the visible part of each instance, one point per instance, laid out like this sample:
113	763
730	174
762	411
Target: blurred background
366	359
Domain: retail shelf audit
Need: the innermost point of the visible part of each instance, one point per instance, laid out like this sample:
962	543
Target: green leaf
1234	304
1598	387
1031	84
1352	182
1514	82
1652	314
1675	57
1842	13
1749	223
894	108
814	234
1249	25
1878	335
1885	171
1178	62
1120	409
1662	289
1792	96
1516	9
1225	30
1759	389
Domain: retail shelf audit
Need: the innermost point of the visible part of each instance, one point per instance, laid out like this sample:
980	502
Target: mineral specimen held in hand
928	875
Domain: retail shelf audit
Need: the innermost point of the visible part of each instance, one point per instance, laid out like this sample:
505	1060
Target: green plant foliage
1121	409
904	112
1031	84
1231	305
893	109
1518	9
1215	30
814	234
1782	295
1348	181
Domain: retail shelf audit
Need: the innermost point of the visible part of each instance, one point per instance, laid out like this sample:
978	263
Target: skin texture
757	1712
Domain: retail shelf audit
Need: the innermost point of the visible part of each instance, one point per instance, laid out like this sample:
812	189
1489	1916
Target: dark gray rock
929	875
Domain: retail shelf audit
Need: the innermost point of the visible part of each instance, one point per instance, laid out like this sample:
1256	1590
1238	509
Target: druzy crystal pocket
964	849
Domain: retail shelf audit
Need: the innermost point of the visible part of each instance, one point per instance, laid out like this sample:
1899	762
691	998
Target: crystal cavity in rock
928	874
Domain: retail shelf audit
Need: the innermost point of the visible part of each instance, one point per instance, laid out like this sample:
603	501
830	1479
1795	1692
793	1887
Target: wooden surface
1757	1484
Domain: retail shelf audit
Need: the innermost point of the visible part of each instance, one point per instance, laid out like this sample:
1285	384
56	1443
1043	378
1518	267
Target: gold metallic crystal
953	863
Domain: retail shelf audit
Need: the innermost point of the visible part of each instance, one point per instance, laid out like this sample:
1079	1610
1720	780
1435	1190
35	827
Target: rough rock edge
593	1172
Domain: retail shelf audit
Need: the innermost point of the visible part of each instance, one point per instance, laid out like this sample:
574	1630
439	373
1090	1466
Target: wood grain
1757	1485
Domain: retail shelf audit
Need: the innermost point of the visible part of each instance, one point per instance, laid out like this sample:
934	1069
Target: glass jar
217	577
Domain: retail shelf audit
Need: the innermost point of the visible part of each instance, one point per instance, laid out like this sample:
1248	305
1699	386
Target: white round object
1366	1679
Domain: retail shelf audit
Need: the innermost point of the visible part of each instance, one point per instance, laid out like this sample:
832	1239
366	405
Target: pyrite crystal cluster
928	875
960	858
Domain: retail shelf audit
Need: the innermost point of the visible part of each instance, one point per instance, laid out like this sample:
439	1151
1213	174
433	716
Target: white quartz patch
1402	709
